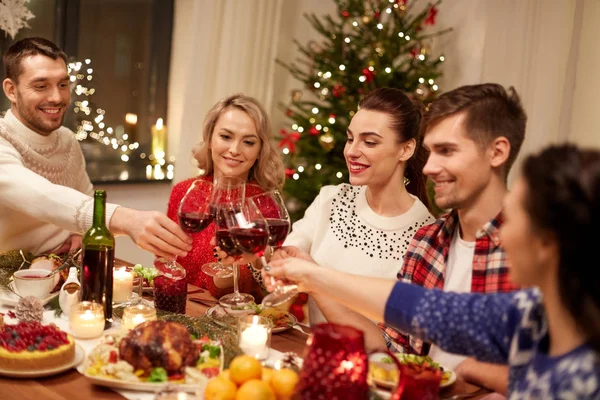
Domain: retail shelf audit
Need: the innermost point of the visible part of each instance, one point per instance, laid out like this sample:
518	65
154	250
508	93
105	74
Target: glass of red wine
196	211
276	215
226	223
226	189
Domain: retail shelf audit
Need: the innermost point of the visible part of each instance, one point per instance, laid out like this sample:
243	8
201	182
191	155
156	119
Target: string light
347	40
431	81
315	110
318	167
362	78
401	34
339	175
354	23
300	168
421	57
342	67
87	127
300	129
327	75
407	38
435	87
442	58
388	70
317	85
421	80
318	127
296	177
286	150
388	10
331	120
380	26
295	127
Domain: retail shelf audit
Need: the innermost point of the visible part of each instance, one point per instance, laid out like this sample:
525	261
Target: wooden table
72	385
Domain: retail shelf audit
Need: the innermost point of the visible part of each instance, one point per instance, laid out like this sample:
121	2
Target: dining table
71	384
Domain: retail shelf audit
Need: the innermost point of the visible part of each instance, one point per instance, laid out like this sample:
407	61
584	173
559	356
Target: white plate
39	373
277	329
10	299
140	386
391	385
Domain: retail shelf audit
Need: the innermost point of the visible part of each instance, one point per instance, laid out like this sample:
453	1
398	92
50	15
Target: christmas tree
368	44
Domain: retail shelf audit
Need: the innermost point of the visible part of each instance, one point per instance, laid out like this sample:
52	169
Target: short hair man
473	135
45	188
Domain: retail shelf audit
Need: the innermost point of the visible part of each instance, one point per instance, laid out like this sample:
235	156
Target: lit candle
86	320
131	125
135	315
254	336
159	136
122	285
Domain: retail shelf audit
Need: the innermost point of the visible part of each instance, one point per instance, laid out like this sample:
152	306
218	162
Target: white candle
87	325
122	285
135	315
254	339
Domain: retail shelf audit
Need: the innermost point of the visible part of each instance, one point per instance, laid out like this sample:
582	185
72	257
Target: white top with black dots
341	231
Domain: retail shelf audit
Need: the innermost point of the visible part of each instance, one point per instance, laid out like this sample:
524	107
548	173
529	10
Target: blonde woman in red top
237	141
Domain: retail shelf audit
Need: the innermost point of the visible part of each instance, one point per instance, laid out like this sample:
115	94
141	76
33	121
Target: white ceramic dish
140	386
277	329
10	299
39	373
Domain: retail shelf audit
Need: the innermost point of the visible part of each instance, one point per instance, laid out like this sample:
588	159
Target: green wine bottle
98	260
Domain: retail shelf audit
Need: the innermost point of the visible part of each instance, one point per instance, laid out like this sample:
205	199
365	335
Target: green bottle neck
99	209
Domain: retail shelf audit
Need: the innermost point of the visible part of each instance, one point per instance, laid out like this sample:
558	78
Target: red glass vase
421	385
335	366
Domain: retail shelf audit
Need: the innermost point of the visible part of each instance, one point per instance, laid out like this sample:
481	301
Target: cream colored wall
585	124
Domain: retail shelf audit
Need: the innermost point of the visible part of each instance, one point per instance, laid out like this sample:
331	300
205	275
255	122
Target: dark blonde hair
268	171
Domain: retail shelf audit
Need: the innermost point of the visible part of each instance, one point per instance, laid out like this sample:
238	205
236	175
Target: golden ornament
296	95
327	141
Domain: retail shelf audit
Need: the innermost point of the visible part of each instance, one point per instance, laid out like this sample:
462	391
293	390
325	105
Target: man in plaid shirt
473	134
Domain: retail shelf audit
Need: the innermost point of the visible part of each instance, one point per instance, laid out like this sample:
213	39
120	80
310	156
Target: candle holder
336	364
122	284
254	334
86	320
137	314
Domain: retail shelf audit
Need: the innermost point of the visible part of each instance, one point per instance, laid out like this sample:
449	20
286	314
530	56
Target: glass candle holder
86	320
135	315
122	285
254	333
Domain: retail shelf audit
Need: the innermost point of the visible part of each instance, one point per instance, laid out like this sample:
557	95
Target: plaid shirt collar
490	229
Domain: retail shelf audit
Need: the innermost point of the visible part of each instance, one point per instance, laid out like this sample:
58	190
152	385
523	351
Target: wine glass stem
236	278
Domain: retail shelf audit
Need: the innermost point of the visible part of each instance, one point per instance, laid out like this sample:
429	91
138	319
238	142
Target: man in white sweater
45	202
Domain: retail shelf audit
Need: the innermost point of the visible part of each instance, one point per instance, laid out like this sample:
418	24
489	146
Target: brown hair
268	170
406	119
26	48
491	112
563	198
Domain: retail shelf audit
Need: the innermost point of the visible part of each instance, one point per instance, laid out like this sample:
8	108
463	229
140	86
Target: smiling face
373	154
459	167
234	144
41	96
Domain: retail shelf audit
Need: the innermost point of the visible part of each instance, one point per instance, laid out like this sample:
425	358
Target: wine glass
226	189
226	222
194	215
273	208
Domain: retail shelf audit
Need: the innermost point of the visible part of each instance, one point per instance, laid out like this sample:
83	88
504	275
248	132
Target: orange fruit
267	373
244	368
224	375
284	383
220	389
255	389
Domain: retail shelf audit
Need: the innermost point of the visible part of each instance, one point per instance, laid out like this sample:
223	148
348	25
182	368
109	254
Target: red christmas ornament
368	74
430	20
313	131
338	90
288	139
289	112
289	172
332	116
377	14
345	14
414	52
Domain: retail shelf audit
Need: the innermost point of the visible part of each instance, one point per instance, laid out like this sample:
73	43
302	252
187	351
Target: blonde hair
268	170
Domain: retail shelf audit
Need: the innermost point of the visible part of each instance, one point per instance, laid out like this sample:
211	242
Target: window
128	45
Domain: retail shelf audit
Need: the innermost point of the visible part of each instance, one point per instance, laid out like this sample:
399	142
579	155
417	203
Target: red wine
194	222
226	243
97	278
170	294
278	231
251	240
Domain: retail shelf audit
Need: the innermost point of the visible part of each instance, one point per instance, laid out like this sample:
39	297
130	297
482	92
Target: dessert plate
10	299
39	373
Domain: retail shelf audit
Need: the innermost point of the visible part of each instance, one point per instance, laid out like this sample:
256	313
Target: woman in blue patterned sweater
549	335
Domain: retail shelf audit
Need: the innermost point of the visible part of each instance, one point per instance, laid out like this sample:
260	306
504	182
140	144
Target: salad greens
158	375
147	273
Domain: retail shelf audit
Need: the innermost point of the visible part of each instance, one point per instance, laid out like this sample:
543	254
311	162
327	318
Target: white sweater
44	188
341	231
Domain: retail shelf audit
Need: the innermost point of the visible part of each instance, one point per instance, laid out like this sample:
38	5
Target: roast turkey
159	344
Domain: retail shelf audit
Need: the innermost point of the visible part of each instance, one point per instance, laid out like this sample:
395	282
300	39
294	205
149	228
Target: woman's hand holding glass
291	271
